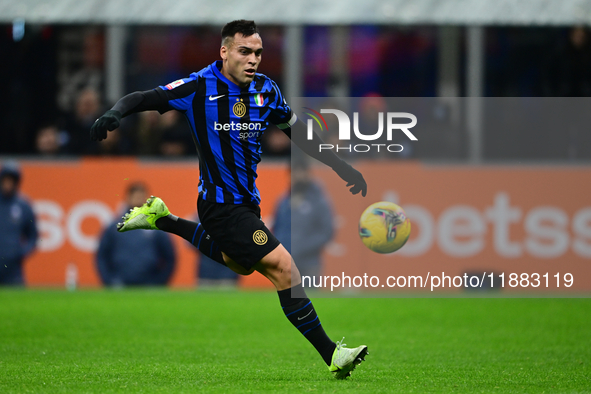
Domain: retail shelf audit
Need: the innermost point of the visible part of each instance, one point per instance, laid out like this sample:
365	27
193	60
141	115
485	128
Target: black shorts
238	229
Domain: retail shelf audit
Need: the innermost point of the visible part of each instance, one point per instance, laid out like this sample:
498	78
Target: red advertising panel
493	219
484	219
74	200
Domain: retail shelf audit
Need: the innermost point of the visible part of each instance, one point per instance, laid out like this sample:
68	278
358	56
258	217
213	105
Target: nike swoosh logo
303	317
211	98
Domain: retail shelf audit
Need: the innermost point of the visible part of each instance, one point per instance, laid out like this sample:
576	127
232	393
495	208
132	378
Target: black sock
192	232
301	313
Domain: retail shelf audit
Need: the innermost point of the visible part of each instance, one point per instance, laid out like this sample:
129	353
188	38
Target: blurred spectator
213	274
275	143
175	134
89	74
166	134
112	146
304	219
87	109
140	257
28	76
568	72
18	232
370	107
50	140
148	132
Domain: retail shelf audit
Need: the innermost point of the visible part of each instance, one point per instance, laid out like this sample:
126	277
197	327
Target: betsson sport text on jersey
254	128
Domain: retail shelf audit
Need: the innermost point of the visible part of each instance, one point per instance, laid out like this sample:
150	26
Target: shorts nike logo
303	317
211	98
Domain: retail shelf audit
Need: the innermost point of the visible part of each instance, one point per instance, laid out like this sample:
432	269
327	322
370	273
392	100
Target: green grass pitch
191	341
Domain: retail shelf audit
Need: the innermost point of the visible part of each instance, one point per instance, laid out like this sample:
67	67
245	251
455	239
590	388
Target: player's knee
281	264
278	267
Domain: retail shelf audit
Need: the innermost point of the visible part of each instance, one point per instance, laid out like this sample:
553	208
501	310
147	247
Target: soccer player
228	106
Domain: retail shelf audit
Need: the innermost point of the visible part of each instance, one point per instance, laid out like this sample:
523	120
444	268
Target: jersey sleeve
180	93
281	114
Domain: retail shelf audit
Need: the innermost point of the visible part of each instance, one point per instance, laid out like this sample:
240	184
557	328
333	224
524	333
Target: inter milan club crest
259	237
259	100
239	108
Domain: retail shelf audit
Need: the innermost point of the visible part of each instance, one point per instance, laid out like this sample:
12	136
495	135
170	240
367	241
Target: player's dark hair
242	26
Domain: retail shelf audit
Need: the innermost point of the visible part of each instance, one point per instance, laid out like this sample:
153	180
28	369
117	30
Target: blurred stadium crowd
302	214
53	77
54	81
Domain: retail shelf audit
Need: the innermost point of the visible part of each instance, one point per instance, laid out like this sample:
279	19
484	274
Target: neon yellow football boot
144	217
344	360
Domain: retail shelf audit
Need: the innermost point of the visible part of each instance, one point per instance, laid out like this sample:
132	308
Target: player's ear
224	52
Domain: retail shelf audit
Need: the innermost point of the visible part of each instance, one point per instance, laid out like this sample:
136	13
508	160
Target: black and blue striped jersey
227	124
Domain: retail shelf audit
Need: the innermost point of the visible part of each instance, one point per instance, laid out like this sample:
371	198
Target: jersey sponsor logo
237	126
259	100
259	237
212	98
239	109
175	84
249	134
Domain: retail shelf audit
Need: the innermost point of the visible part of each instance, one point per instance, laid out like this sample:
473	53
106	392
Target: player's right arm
162	99
132	103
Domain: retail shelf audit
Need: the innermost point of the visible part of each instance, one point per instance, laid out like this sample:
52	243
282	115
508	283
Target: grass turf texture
169	342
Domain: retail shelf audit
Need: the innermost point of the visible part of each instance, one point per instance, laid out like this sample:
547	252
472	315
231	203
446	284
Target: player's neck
230	78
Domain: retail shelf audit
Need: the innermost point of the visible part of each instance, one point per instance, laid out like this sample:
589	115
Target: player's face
241	58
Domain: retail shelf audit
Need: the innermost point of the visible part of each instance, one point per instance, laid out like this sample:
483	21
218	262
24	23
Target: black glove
352	177
109	121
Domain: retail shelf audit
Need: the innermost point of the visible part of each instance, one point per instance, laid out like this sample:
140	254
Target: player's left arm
284	118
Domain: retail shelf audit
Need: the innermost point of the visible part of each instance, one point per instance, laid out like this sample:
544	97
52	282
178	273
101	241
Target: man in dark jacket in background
135	258
18	233
304	219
